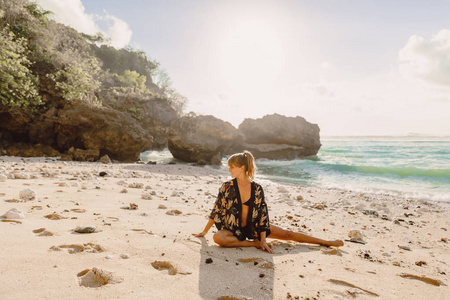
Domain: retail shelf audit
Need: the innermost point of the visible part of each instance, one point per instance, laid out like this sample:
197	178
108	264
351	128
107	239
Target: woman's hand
205	231
264	246
201	234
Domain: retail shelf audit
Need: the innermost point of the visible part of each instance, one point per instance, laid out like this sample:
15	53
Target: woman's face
236	171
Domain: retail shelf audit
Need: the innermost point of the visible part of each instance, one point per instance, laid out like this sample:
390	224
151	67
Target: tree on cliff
44	63
18	86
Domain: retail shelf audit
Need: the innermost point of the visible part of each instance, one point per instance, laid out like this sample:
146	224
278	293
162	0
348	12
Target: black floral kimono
226	212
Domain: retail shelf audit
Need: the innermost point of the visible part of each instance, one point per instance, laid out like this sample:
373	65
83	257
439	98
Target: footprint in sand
11	221
95	277
421	278
55	216
132	206
345	283
43	232
331	251
174	212
86	229
14	200
260	262
164	265
77	248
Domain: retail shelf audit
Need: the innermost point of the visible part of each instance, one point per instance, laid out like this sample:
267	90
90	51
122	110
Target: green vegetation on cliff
44	64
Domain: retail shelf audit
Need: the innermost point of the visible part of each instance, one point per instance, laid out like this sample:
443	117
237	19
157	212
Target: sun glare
251	53
257	58
252	45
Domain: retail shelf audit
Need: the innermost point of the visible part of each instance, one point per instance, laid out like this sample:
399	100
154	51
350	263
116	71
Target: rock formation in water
279	137
201	139
206	139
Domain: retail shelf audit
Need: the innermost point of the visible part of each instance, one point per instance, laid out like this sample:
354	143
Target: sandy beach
124	231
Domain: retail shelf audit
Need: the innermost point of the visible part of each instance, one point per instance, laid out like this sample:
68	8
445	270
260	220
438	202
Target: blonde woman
240	212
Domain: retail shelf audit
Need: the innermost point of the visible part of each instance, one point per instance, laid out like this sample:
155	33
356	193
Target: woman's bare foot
336	243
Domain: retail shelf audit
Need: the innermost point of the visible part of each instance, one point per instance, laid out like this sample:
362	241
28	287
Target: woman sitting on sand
240	212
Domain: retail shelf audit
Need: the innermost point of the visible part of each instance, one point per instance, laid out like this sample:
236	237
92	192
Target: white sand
143	247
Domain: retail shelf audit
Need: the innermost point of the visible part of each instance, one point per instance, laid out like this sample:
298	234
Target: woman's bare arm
205	231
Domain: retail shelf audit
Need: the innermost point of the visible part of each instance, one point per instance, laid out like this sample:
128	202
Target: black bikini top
252	195
250	201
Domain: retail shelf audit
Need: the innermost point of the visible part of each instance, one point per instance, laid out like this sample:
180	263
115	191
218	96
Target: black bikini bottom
247	234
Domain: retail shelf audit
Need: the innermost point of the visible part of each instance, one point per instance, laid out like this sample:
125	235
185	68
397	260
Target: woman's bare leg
277	232
225	238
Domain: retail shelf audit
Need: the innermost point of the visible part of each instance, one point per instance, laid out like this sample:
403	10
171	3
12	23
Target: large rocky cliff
92	130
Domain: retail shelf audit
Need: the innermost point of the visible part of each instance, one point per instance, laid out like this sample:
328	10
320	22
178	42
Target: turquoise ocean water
417	167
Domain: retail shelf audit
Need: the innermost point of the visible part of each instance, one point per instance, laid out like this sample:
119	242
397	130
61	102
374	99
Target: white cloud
427	60
118	30
72	13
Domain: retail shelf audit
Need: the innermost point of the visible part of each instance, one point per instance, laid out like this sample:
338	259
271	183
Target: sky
373	67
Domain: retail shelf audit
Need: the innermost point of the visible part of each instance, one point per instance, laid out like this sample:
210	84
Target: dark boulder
280	137
201	139
268	151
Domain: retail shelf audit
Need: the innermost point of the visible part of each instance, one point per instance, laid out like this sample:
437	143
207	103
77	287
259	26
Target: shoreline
405	254
372	193
396	187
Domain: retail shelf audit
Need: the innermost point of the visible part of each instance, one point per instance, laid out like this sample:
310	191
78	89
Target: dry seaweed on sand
341	282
